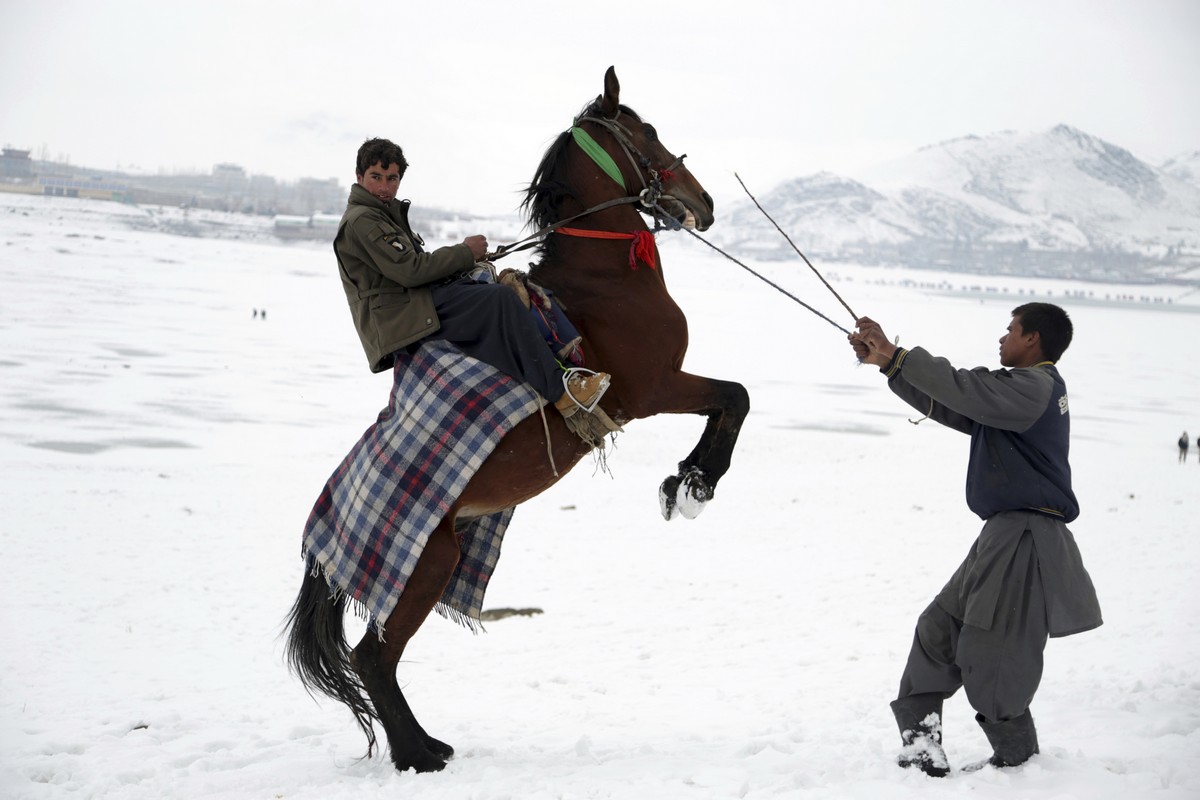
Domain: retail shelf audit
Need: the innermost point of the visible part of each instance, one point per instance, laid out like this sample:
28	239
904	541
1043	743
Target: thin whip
797	249
768	281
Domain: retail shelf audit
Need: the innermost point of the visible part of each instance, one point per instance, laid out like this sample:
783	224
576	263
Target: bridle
652	190
649	198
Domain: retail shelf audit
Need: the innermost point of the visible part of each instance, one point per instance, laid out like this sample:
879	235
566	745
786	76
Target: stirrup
567	375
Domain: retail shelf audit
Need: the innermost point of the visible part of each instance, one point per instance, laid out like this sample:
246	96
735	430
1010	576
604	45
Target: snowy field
161	446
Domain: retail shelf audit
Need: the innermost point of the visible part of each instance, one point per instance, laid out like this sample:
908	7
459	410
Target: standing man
1023	579
399	294
1183	446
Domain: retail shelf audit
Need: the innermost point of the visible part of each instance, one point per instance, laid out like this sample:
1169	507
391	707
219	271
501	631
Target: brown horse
631	328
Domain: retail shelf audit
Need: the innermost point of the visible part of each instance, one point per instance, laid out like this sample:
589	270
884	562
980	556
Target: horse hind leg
375	659
410	746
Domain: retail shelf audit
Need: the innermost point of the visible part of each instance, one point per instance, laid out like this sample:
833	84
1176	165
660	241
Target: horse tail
317	652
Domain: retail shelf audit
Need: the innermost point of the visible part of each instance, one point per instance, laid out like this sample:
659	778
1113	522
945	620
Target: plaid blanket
367	529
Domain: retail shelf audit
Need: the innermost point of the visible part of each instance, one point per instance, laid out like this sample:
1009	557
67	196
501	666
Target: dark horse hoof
423	761
684	494
439	748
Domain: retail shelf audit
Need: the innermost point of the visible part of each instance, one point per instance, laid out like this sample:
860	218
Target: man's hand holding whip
871	344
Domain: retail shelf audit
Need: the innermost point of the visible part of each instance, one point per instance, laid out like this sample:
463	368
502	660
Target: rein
797	249
531	239
770	283
642	245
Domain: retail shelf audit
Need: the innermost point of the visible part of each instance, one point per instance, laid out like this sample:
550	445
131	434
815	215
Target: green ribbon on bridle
598	154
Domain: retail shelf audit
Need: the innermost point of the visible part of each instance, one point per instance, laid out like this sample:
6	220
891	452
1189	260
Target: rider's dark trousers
488	321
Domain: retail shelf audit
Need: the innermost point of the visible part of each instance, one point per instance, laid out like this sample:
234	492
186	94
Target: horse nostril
707	199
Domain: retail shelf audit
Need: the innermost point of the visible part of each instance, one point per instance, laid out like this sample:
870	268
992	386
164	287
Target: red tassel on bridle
643	248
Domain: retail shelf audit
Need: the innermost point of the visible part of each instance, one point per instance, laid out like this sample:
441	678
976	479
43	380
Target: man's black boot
1013	741
920	719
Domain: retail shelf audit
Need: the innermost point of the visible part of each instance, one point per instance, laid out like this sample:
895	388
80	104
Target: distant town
306	208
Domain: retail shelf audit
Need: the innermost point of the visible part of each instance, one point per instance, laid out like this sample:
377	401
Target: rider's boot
583	391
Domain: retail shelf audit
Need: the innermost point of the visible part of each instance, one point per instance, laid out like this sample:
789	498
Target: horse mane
548	189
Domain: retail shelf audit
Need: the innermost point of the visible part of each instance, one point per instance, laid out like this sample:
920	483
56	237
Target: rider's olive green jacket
386	275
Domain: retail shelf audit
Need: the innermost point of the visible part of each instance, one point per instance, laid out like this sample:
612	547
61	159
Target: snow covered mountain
1185	167
1059	202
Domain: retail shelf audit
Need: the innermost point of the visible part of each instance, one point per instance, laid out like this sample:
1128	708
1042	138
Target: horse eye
650	133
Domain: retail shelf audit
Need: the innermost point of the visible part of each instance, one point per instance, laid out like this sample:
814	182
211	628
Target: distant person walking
1183	446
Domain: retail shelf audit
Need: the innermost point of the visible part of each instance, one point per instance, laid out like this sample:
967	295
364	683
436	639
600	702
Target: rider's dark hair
1051	323
382	152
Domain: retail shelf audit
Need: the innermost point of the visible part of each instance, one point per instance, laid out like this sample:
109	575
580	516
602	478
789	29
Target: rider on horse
407	525
401	295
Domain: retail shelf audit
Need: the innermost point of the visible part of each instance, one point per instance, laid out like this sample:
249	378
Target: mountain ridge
1056	202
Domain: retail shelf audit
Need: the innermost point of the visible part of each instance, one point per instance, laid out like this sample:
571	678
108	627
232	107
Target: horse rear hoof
422	762
439	748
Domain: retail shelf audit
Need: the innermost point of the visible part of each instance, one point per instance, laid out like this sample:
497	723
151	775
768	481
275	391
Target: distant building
18	173
93	188
227	188
315	195
318	226
15	163
229	172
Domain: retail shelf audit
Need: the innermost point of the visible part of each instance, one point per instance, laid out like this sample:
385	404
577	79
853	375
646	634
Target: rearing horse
599	176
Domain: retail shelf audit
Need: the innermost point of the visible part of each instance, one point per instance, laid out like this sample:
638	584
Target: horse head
627	148
666	183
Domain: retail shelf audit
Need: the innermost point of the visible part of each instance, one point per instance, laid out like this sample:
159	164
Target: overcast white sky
474	91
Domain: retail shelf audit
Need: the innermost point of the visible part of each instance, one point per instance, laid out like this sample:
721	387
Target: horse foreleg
726	405
375	659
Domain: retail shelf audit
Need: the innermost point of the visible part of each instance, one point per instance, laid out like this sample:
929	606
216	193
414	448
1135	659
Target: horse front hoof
667	492
684	495
694	494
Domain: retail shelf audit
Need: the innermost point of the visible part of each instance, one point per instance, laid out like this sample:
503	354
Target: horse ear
610	102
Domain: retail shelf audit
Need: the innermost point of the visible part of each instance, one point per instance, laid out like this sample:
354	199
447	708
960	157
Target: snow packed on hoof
686	501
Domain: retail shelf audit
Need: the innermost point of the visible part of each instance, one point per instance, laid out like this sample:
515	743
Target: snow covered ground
161	445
